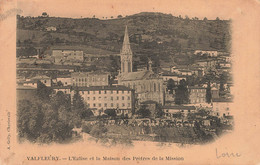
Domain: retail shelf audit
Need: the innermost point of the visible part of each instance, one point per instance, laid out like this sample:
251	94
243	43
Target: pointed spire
126	49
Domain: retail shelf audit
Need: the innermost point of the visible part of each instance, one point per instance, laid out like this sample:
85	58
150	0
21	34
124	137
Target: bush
86	128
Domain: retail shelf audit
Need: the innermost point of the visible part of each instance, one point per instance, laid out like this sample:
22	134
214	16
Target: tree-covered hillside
151	34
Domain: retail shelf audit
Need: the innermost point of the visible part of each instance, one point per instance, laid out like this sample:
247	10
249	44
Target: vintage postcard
129	82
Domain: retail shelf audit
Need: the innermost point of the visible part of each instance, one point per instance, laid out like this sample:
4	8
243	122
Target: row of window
89	79
198	90
151	87
105	92
198	95
198	100
111	98
112	105
90	83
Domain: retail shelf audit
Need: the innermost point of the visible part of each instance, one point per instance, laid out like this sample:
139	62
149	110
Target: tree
208	93
170	85
44	14
30	119
223	78
111	112
205	19
159	112
61	99
43	92
39	122
59	84
182	95
144	112
78	108
119	16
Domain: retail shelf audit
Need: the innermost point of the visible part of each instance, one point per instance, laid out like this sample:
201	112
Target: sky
108	8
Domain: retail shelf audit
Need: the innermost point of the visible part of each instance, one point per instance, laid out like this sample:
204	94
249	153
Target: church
148	85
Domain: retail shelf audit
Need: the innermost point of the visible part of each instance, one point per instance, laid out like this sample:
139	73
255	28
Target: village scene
144	77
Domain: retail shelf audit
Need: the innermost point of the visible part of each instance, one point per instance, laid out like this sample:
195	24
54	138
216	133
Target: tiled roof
221	100
42	77
193	87
145	74
95	88
180	107
64	76
25	88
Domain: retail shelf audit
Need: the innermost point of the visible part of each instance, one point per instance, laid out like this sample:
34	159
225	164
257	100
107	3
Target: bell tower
126	55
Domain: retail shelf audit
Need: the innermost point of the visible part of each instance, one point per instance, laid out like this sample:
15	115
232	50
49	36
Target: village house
172	111
32	82
221	107
197	95
214	93
209	53
87	79
65	89
51	28
64	79
166	75
65	55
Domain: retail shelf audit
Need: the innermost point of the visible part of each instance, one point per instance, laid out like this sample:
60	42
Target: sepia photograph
107	76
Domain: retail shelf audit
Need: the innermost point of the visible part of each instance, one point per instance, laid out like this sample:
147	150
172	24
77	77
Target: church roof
140	75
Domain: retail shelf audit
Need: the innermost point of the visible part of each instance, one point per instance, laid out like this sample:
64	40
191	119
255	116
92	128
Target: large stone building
100	98
87	79
147	84
62	56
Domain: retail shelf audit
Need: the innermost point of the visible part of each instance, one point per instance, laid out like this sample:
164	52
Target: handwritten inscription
227	154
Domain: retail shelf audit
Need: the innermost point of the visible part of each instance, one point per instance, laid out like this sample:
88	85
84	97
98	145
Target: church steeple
126	49
126	54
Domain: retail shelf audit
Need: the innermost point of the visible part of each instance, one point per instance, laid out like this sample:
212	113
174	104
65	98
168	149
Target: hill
156	35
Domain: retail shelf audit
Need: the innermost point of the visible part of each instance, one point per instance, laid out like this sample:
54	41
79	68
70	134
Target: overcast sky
108	8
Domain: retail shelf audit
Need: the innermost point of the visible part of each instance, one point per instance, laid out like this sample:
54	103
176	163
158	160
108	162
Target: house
214	93
172	111
207	64
209	53
197	95
64	89
221	107
51	28
66	55
33	82
64	79
166	75
185	72
44	79
87	79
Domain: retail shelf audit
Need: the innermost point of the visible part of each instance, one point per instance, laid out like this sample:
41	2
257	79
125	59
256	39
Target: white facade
100	98
61	56
221	107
